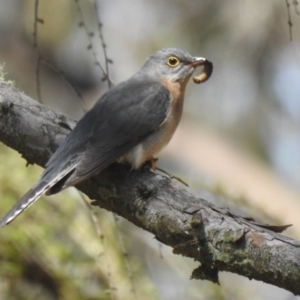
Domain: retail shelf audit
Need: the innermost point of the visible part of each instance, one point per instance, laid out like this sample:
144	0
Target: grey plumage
121	120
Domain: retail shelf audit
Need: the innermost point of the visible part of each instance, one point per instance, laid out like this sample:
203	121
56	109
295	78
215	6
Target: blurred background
238	144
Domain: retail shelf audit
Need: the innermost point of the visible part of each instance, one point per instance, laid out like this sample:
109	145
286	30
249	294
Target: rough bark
216	238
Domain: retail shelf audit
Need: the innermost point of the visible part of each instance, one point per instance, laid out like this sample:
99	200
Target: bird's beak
198	61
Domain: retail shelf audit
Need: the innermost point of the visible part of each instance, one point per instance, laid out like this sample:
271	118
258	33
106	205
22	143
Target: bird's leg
151	163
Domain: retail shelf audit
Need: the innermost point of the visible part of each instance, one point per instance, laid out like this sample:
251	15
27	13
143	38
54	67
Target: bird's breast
157	140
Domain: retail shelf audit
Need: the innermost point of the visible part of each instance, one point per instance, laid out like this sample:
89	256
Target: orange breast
155	142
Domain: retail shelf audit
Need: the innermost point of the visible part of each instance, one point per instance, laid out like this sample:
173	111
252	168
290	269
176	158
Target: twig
100	234
125	255
90	45
35	45
296	4
289	19
40	59
61	73
103	44
172	176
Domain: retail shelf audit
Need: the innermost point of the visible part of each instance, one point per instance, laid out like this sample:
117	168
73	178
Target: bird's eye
173	61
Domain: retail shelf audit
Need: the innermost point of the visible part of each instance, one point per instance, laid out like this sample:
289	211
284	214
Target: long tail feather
28	199
32	195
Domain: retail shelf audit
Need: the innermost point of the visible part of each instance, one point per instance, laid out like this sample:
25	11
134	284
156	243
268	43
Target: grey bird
130	123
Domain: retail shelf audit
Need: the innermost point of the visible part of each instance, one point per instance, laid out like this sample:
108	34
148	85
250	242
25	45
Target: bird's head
173	64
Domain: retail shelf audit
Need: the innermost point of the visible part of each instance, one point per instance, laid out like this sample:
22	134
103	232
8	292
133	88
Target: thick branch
217	239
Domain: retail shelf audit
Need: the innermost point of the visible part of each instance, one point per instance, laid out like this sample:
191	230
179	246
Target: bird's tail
28	199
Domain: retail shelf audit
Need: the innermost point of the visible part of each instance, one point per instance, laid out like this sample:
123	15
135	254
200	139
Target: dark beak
200	61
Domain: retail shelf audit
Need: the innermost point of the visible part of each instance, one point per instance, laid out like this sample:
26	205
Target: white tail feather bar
31	196
28	199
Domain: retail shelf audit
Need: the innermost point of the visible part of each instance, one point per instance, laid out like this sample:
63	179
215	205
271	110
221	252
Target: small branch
289	19
35	45
91	46
296	6
218	239
62	75
107	60
100	234
40	59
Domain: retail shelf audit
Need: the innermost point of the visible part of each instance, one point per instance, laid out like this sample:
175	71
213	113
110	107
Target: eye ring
173	61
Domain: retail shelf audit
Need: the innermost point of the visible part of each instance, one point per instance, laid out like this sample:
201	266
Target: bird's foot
151	164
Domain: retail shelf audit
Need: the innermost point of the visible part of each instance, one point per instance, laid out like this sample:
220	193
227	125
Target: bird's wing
118	122
137	110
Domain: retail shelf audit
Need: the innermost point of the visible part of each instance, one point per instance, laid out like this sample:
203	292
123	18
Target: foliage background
239	139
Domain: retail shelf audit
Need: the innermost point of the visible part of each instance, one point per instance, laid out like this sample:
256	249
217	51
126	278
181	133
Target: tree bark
218	239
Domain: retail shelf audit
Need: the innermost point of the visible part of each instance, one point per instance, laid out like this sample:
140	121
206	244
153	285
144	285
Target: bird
130	123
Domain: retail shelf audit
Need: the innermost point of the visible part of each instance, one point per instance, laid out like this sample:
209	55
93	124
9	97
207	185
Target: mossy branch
216	238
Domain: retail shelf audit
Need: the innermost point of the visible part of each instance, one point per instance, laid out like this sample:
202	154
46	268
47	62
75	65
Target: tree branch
216	238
